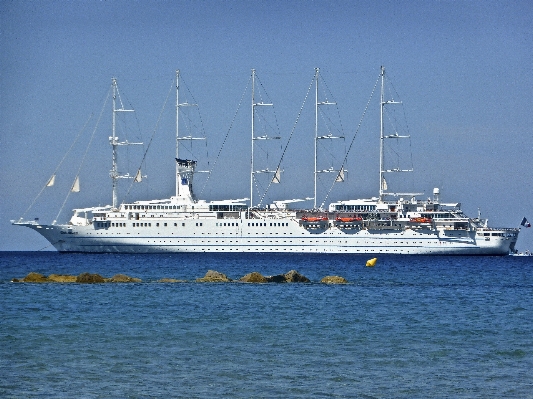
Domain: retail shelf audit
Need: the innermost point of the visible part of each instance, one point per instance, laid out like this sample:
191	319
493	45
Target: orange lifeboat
306	218
420	220
348	219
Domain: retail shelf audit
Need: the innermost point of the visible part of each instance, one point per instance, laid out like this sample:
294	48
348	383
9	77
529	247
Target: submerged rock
170	280
254	277
212	276
334	280
88	278
61	278
278	278
122	278
35	278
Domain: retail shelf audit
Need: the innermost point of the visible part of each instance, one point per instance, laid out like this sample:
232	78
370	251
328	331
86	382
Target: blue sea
410	327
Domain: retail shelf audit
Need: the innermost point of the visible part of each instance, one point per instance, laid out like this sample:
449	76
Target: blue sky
463	70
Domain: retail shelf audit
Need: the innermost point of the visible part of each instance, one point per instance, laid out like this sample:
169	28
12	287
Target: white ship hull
290	238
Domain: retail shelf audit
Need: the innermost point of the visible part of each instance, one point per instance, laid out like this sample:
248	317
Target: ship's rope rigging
52	176
262	118
50	181
393	121
353	139
149	142
190	123
326	146
84	155
227	134
290	137
265	121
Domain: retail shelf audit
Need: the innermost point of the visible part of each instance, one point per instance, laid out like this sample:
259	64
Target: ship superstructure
182	223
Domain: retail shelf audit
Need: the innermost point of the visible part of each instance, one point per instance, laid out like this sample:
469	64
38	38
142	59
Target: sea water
410	327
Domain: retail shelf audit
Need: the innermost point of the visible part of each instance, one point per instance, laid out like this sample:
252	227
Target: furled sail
340	176
277	176
138	177
51	181
76	186
383	184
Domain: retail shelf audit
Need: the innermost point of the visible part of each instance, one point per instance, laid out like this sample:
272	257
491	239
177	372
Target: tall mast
382	184
185	168
177	130
253	172
252	158
316	133
113	140
317	137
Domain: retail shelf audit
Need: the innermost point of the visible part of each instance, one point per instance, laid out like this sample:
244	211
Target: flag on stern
525	223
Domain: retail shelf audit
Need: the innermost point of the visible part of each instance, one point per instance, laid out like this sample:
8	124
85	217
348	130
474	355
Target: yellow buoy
371	262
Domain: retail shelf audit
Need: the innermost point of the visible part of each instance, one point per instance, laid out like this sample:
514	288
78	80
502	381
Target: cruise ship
390	223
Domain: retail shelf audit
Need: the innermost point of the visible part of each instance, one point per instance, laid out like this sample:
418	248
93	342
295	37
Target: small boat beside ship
386	224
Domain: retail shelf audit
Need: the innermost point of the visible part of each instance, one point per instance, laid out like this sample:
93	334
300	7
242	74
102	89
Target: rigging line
290	136
226	137
59	165
194	102
409	134
353	139
336	105
152	137
265	122
86	151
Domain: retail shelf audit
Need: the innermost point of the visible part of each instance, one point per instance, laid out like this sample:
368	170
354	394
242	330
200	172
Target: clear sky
463	70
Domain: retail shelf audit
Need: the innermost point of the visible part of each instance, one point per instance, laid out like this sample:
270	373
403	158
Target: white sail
277	176
76	186
340	176
138	177
51	181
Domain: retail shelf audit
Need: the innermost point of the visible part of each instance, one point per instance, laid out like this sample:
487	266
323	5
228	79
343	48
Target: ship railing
497	229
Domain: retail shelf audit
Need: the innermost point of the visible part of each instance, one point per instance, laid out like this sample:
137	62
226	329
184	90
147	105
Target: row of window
219	224
264	224
135	224
497	234
350	208
146	207
228	208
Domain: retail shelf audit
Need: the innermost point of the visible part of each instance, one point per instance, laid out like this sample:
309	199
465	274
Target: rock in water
35	278
253	277
212	276
334	280
290	277
122	278
88	278
61	278
294	277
